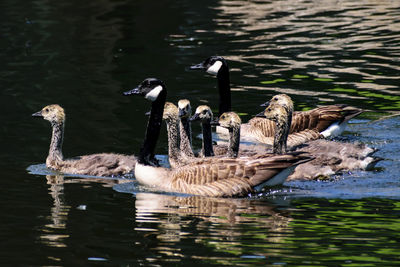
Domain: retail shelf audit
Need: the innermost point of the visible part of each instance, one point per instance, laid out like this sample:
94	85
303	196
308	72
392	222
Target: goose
104	164
329	120
331	157
218	177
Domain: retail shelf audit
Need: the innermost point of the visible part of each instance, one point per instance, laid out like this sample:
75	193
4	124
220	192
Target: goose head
203	114
212	65
185	109
150	88
170	112
229	120
281	99
53	113
275	112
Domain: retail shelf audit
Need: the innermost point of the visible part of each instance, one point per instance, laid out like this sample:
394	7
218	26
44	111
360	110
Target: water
83	55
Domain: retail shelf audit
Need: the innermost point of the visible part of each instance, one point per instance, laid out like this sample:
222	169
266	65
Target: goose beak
134	91
215	123
266	104
261	115
181	113
197	67
37	114
195	117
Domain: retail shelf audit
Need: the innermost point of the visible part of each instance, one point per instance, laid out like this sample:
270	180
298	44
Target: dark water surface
84	54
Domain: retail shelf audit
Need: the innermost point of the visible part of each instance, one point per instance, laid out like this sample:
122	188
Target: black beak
181	113
134	91
261	115
214	123
197	67
37	114
195	117
266	104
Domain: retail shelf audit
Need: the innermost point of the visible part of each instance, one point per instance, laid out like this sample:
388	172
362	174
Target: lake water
83	55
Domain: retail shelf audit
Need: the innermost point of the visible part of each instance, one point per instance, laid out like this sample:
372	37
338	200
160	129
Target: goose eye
223	117
46	110
269	110
276	99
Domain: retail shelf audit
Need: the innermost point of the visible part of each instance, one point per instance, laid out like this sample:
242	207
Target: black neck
208	150
224	88
146	154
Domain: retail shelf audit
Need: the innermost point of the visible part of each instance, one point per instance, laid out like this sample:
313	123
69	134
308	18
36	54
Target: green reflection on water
273	81
346	232
347	90
298	76
323	79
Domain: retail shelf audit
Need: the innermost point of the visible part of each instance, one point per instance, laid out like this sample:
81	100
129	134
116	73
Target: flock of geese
286	144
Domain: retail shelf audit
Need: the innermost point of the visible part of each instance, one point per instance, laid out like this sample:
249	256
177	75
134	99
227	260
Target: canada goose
185	111
104	164
211	176
330	157
329	120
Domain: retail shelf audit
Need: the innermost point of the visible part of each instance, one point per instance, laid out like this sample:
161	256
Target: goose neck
186	137
207	149
234	141
55	151
172	130
224	90
281	135
146	154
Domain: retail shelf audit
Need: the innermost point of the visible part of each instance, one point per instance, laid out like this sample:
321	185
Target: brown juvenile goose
104	164
211	176
325	119
330	157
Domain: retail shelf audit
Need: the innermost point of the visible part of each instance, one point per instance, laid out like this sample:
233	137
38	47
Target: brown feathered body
104	164
333	157
318	119
330	157
222	177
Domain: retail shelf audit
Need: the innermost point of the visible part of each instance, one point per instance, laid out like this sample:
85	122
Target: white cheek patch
215	67
153	94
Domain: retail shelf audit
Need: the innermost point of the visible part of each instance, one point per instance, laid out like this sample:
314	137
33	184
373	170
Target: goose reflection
223	221
53	232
